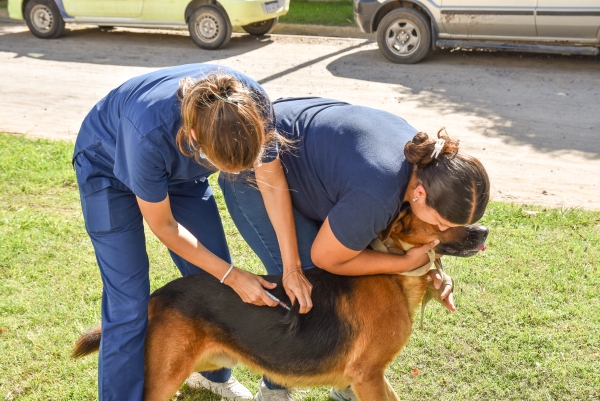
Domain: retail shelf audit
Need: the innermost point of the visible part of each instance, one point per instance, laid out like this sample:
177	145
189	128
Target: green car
210	22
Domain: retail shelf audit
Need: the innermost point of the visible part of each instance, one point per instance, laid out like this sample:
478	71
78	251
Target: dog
356	328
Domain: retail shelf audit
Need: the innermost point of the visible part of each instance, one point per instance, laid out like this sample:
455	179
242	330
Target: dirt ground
533	120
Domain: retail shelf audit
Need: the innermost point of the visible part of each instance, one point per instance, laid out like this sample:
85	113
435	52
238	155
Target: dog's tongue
482	248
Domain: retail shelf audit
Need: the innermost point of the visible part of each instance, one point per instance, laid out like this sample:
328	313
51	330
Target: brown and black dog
355	329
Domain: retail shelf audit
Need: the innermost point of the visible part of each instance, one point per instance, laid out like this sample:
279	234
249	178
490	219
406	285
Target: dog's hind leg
375	389
172	347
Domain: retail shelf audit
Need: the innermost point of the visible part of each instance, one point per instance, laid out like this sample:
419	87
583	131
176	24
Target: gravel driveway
533	120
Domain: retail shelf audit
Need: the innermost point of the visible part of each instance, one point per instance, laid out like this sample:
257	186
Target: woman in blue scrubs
144	152
351	171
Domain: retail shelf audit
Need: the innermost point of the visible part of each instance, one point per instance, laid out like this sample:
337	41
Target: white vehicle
407	30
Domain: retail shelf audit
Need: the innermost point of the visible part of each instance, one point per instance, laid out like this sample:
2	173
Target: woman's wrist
291	263
286	274
227	273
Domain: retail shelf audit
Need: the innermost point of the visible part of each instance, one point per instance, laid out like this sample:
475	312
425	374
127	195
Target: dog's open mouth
452	250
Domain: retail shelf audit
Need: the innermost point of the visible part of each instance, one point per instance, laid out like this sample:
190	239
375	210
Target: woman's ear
420	192
193	133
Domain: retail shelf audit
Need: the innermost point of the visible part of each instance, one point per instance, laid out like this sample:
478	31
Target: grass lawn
3	4
334	13
528	325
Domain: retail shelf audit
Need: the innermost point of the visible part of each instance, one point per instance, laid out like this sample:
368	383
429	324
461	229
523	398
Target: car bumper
364	12
244	12
14	9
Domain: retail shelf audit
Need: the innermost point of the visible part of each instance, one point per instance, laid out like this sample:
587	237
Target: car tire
209	27
43	19
404	36
261	28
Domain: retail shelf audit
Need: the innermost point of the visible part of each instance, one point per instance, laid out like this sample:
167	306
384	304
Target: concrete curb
321	30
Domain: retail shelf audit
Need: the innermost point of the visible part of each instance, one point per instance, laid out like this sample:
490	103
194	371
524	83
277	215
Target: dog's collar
378	245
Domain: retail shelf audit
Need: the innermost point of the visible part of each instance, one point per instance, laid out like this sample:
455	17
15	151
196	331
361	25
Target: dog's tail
89	342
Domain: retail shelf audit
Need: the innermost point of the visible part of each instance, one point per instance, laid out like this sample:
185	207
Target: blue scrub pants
115	225
247	209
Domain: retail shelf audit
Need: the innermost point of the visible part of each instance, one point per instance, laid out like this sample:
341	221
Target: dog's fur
356	327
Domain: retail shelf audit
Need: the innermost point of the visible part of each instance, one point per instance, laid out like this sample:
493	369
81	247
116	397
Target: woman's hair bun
420	150
209	90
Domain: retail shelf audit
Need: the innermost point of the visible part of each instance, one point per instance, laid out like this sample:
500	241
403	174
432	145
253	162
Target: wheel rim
41	18
403	37
207	28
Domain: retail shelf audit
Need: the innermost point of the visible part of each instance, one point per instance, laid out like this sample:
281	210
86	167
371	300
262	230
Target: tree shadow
547	102
125	47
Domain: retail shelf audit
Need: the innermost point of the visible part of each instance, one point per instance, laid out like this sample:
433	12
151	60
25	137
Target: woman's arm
179	240
329	254
278	202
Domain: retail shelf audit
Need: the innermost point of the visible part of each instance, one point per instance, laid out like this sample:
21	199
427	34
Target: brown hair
231	127
457	185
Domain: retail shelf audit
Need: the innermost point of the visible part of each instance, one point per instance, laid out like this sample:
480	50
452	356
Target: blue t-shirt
127	140
348	164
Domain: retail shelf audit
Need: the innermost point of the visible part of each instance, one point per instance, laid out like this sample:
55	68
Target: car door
489	18
104	8
568	19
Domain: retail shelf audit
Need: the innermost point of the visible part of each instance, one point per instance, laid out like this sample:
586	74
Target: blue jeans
247	209
115	225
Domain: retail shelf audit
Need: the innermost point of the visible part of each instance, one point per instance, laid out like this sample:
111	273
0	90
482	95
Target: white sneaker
343	395
230	390
264	394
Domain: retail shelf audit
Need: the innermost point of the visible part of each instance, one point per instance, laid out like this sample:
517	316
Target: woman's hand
297	287
447	296
250	287
418	256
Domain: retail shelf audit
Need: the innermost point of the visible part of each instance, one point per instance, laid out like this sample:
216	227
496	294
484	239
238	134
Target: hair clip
231	101
439	145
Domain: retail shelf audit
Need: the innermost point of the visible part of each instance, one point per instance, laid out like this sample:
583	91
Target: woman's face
426	213
431	216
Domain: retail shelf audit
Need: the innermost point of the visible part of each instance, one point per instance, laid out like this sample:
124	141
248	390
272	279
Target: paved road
534	121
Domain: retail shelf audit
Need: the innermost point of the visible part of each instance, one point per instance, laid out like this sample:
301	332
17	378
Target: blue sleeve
140	165
357	218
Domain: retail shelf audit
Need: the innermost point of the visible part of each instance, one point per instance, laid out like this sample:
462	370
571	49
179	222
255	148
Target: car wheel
43	19
209	27
404	36
262	27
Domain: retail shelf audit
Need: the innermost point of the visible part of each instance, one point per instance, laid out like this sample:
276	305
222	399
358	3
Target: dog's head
463	241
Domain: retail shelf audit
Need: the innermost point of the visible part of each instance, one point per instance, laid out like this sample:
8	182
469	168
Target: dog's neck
390	246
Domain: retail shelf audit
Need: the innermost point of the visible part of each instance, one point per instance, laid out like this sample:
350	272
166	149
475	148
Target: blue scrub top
348	164
127	141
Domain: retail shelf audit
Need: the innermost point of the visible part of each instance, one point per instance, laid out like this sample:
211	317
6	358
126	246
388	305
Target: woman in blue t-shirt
144	152
351	170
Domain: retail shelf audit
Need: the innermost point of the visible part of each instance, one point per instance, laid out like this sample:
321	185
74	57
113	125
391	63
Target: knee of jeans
132	312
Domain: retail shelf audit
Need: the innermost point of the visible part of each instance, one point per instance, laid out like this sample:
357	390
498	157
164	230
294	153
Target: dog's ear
386	233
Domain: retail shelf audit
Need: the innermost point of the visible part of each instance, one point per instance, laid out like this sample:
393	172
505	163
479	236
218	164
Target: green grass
528	325
3	4
333	13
